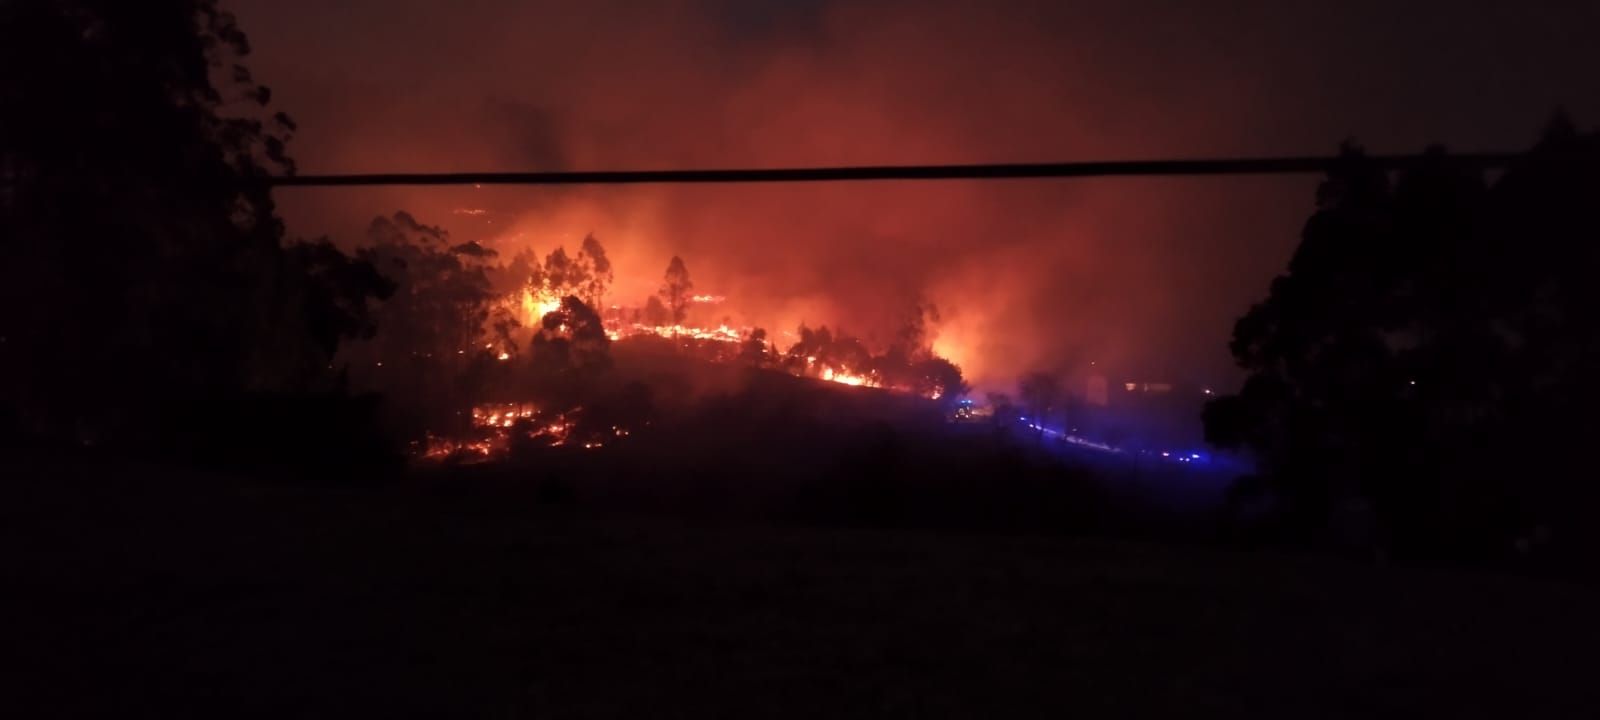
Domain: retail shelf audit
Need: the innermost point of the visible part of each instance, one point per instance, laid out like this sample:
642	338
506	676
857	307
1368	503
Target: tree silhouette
564	275
910	364
675	289
753	349
939	379
570	351
912	338
597	271
655	314
441	331
1429	353
147	270
444	302
522	271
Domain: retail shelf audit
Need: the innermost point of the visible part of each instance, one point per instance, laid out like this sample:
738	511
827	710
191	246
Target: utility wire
1113	168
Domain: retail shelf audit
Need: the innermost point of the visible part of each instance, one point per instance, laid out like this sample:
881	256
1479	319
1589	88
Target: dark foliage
440	332
773	447
568	355
1431	356
146	269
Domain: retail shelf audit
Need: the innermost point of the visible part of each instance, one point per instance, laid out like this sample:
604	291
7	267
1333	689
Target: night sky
1142	276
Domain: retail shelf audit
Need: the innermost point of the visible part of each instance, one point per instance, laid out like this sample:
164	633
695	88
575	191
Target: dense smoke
1142	277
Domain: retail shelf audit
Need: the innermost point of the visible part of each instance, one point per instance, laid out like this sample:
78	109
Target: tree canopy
1430	352
146	264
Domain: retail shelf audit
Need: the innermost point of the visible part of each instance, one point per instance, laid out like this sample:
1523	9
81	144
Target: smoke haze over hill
1144	276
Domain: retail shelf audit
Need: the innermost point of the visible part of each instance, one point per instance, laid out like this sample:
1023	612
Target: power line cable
1111	168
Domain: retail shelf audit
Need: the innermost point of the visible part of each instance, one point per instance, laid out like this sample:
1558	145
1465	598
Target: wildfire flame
845	378
535	305
496	427
721	333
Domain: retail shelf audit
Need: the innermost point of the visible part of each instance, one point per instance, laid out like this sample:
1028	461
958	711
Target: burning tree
531	290
938	379
911	365
571	337
836	358
568	352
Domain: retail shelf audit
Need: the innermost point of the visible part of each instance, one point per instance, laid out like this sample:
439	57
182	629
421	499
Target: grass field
206	598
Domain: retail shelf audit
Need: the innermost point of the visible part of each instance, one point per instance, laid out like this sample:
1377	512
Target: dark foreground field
229	602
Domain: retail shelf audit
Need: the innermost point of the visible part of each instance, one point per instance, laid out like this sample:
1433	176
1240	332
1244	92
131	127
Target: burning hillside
487	352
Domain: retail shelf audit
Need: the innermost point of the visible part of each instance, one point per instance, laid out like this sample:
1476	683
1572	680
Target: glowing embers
501	415
477	450
498	427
